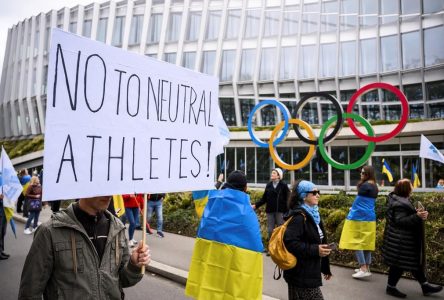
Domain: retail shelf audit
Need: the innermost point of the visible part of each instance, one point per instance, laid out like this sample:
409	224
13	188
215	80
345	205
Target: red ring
402	121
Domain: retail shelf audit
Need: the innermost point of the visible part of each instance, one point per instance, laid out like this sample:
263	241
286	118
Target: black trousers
3	226
20	201
395	274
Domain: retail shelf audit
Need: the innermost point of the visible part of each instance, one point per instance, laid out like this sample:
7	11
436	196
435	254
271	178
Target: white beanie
280	173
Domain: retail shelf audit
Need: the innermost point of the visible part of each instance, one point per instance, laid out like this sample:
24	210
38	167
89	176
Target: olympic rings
286	113
356	164
402	121
322	139
338	125
276	157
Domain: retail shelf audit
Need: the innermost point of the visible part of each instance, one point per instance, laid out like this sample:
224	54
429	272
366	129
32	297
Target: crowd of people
58	242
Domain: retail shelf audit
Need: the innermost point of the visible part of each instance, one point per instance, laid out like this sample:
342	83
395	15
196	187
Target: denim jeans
364	257
33	215
156	206
132	214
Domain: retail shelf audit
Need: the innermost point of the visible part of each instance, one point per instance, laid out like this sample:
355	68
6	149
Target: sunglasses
314	193
364	173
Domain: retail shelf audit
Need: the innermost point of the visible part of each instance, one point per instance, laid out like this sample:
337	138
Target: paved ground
171	257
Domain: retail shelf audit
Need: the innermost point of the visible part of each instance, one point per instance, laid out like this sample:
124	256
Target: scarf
313	211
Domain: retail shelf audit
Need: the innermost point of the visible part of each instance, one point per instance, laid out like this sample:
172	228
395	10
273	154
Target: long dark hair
368	176
294	200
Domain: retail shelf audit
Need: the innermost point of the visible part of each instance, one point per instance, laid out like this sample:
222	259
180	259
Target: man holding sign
82	253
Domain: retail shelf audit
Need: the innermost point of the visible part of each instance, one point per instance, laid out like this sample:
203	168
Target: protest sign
118	122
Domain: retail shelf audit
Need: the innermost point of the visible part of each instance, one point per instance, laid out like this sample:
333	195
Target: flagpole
145	198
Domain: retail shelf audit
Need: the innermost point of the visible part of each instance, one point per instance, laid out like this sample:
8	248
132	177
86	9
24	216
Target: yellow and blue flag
415	176
119	206
386	170
200	201
359	231
227	258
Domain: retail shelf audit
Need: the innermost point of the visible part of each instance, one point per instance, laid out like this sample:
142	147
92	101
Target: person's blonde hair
34	180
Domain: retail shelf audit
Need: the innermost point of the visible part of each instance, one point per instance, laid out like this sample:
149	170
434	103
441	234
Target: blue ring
286	114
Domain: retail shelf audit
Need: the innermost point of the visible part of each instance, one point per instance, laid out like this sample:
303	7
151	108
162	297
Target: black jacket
403	244
275	198
302	239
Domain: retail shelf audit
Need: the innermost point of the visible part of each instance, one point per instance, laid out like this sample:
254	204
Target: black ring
338	125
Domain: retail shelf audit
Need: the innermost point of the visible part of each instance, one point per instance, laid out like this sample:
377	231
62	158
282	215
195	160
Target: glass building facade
262	49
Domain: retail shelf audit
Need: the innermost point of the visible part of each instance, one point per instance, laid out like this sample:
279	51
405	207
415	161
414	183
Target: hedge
179	217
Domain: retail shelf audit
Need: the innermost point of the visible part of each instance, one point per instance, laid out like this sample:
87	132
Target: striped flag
415	177
387	170
227	258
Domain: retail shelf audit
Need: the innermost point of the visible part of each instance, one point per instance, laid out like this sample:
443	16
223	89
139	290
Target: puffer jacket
63	263
302	240
403	243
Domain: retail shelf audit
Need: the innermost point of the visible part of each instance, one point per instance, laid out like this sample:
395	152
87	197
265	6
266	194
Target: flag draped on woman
200	201
227	260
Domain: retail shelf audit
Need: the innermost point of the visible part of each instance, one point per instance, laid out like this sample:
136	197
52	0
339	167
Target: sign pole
145	197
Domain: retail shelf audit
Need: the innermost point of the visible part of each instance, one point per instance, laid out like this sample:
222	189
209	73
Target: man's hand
141	255
423	214
324	250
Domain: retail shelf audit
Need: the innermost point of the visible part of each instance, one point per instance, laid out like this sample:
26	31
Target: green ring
363	159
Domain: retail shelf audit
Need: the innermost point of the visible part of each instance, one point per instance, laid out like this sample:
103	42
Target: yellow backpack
283	259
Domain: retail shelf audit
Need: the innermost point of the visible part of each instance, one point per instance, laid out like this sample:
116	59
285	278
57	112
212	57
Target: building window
268	57
329	23
410	51
233	24
287	68
268	114
247	64
208	59
251	164
433	46
348	22
213	25
264	165
227	66
174	27
290	23
319	169
87	28
432	6
371	112
436	110
371	96
435	90
246	106
194	26
347	58
417	111
253	18
101	29
307	61
73	27
392	112
349	6
189	60
119	25
228	111
339	154
36	42
367	56
369	7
136	30
327	60
413	92
170	57
154	29
271	27
410	7
389	53
388	96
330	6
309	112
346	95
309	23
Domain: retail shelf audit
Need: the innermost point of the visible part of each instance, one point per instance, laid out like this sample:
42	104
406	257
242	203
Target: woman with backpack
34	201
306	239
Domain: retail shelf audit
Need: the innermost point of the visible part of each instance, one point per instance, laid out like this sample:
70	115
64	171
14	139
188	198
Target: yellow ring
311	148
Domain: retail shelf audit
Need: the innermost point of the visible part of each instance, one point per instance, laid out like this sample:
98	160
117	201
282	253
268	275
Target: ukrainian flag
227	258
200	201
386	170
119	206
359	231
415	177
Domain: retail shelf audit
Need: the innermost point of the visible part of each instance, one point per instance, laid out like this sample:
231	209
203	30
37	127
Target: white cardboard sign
118	122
